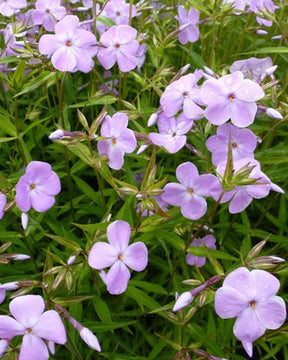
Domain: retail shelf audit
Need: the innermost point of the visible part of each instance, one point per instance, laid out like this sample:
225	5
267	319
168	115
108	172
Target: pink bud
142	148
51	347
90	339
274	114
209	71
276	37
10	286
71	260
20	257
261	32
152	120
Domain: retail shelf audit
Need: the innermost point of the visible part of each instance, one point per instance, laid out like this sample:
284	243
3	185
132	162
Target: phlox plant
143	179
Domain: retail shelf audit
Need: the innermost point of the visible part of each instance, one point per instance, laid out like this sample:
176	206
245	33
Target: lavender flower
189	194
37	188
251	297
172	132
121	47
119	11
183	94
10	7
118	254
252	67
120	140
47	12
71	48
31	321
243	143
209	241
237	4
257	185
188	21
141	56
231	97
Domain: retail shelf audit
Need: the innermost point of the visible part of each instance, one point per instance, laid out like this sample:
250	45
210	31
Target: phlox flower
171	132
119	11
252	67
2	204
231	97
189	18
243	143
120	140
109	86
209	241
71	48
30	320
119	256
37	187
183	94
141	56
10	7
47	12
242	195
238	4
251	297
121	46
189	194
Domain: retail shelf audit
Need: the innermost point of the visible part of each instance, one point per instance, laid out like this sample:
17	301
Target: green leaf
201	252
70	244
99	100
66	301
36	83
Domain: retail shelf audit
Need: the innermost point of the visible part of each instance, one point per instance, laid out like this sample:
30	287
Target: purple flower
120	140
172	132
37	188
71	48
237	4
231	97
209	241
118	254
189	193
262	5
121	46
10	7
188	21
252	67
109	85
119	11
243	143
250	296
242	195
11	40
2	204
47	12
141	56
183	94
31	321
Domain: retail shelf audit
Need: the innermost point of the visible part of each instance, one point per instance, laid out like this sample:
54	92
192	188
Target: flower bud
183	300
90	339
10	286
51	347
20	257
56	135
274	114
276	37
184	69
4	343
126	190
71	260
142	148
24	220
152	119
209	71
261	32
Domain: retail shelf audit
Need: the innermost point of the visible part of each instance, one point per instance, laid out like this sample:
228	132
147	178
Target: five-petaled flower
250	296
37	187
188	21
118	254
31	321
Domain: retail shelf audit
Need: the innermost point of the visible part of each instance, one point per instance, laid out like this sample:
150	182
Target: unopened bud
274	114
191	312
20	257
202	299
90	339
128	190
51	347
191	282
261	32
10	286
24	220
209	71
71	260
56	135
266	262
256	250
183	300
276	37
152	119
184	69
142	148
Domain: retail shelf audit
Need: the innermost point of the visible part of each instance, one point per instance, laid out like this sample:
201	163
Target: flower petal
265	284
187	173
9	327
271	313
102	255
242	113
27	309
194	208
240	201
118	234
174	194
136	256
40	201
229	302
33	348
117	278
64	59
50	327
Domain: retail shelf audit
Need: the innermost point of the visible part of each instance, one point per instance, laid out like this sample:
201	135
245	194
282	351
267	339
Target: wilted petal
33	348
50	327
136	256
118	234
27	309
102	255
117	278
272	312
